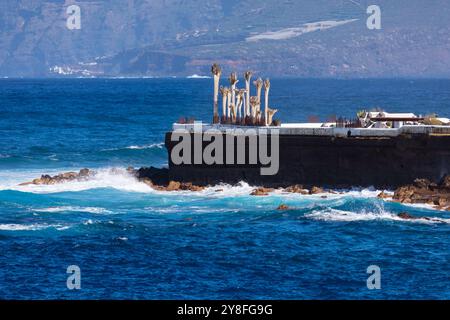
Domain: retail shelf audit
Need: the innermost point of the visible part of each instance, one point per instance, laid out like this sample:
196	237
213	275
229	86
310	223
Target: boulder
404	194
316	190
148	182
383	195
190	187
422	183
297	188
406	215
84	172
173	186
424	191
283	207
261	191
445	182
442	202
68	175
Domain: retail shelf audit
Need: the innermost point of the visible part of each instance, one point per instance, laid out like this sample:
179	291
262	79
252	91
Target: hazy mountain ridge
180	38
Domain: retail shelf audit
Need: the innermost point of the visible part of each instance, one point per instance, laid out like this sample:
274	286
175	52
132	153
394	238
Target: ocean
131	242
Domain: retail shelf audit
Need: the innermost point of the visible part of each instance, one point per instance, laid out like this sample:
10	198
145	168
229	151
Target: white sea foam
158	145
331	214
335	194
95	210
88	222
116	178
120	179
147	146
191	209
30	227
227	190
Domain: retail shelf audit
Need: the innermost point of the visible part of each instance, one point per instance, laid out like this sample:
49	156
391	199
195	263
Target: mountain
316	38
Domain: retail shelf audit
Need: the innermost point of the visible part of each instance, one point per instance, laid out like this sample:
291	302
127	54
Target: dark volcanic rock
406	215
159	176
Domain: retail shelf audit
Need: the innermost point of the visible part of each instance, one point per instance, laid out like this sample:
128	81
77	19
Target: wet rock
67	176
445	182
425	191
84	172
148	182
25	183
173	186
383	195
422	183
404	194
261	191
283	207
316	190
190	187
297	188
406	215
442	202
46	179
131	170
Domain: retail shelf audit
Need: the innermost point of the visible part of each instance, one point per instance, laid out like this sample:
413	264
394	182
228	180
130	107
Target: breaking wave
116	178
30	227
331	214
95	210
159	145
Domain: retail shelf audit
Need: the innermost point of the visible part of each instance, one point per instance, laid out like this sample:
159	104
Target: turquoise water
133	242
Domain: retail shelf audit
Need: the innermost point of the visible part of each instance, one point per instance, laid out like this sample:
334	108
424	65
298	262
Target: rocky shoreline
421	191
45	179
424	191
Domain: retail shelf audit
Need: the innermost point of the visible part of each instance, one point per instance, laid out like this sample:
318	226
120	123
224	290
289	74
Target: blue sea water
132	242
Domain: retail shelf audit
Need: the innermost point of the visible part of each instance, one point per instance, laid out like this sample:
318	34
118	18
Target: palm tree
259	84
224	92
241	94
270	114
233	81
247	76
216	71
266	102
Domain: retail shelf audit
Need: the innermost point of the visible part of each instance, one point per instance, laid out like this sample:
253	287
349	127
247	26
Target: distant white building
379	119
